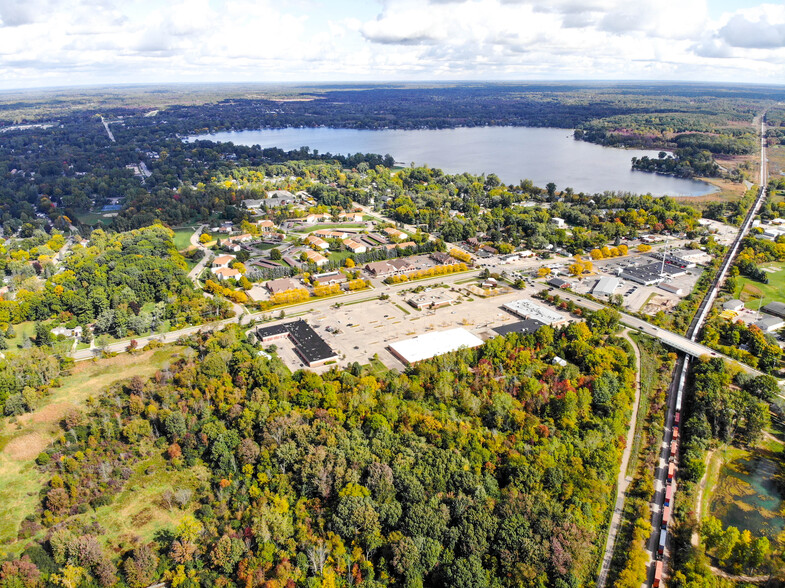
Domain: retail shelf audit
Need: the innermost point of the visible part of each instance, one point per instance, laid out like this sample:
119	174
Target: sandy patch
26	447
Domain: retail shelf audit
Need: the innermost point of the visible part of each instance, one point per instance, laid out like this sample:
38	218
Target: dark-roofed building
558	283
775	308
525	327
313	350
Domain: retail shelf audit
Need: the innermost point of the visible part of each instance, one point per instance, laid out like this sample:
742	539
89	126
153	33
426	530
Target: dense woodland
487	467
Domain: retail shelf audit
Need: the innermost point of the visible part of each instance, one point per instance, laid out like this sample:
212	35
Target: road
108	131
197	269
623	480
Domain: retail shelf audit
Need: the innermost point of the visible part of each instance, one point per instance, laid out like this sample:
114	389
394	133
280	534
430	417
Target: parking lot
360	331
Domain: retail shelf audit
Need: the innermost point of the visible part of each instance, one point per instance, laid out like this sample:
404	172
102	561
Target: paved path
197	269
623	481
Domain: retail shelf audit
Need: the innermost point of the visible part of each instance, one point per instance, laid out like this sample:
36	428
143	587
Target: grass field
182	237
23	438
750	291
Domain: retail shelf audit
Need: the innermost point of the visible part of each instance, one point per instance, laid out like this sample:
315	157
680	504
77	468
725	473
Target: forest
486	467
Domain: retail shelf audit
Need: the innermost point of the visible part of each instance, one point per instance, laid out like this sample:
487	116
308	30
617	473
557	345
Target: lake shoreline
538	154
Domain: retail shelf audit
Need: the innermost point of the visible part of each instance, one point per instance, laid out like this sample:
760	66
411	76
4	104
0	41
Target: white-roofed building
606	286
432	344
526	309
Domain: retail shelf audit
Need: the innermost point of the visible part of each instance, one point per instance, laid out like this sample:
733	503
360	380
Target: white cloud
93	41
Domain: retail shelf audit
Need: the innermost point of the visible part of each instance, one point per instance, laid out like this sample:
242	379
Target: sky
94	42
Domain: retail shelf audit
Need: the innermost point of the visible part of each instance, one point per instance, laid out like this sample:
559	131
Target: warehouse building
432	344
606	286
775	308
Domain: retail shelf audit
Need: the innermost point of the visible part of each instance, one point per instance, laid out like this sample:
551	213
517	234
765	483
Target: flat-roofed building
769	324
432	344
524	327
775	308
430	299
526	309
311	348
606	286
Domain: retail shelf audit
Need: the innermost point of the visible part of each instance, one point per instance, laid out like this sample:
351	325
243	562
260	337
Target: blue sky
79	42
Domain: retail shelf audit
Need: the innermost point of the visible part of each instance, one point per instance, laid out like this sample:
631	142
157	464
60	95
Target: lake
541	155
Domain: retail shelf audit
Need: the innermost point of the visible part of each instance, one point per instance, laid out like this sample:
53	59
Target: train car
674	449
663	538
671	471
668	495
675	433
677	419
657	575
666	517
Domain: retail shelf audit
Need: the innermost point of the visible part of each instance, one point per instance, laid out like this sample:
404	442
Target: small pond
747	496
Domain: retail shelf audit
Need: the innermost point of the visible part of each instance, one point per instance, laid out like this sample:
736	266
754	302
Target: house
329	278
354	246
404	245
282	285
316	242
222	261
395	233
351	217
224	273
314	257
489	283
266	226
257	293
734	305
443	259
312	219
559	222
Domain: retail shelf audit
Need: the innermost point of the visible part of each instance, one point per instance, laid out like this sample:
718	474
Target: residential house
316	242
314	257
282	285
354	246
224	273
395	233
222	261
329	278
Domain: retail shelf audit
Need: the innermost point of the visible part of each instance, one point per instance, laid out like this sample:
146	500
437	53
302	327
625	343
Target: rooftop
525	326
432	344
309	344
527	309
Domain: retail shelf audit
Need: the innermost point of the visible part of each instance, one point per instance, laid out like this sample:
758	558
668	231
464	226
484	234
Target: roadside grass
23	438
182	237
649	379
376	368
750	291
402	308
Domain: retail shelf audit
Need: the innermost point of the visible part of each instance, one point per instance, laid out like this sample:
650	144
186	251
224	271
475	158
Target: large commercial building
432	344
313	350
526	309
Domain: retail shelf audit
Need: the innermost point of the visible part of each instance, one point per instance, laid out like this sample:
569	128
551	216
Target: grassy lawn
15	342
23	438
376	368
750	291
182	237
94	218
339	256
